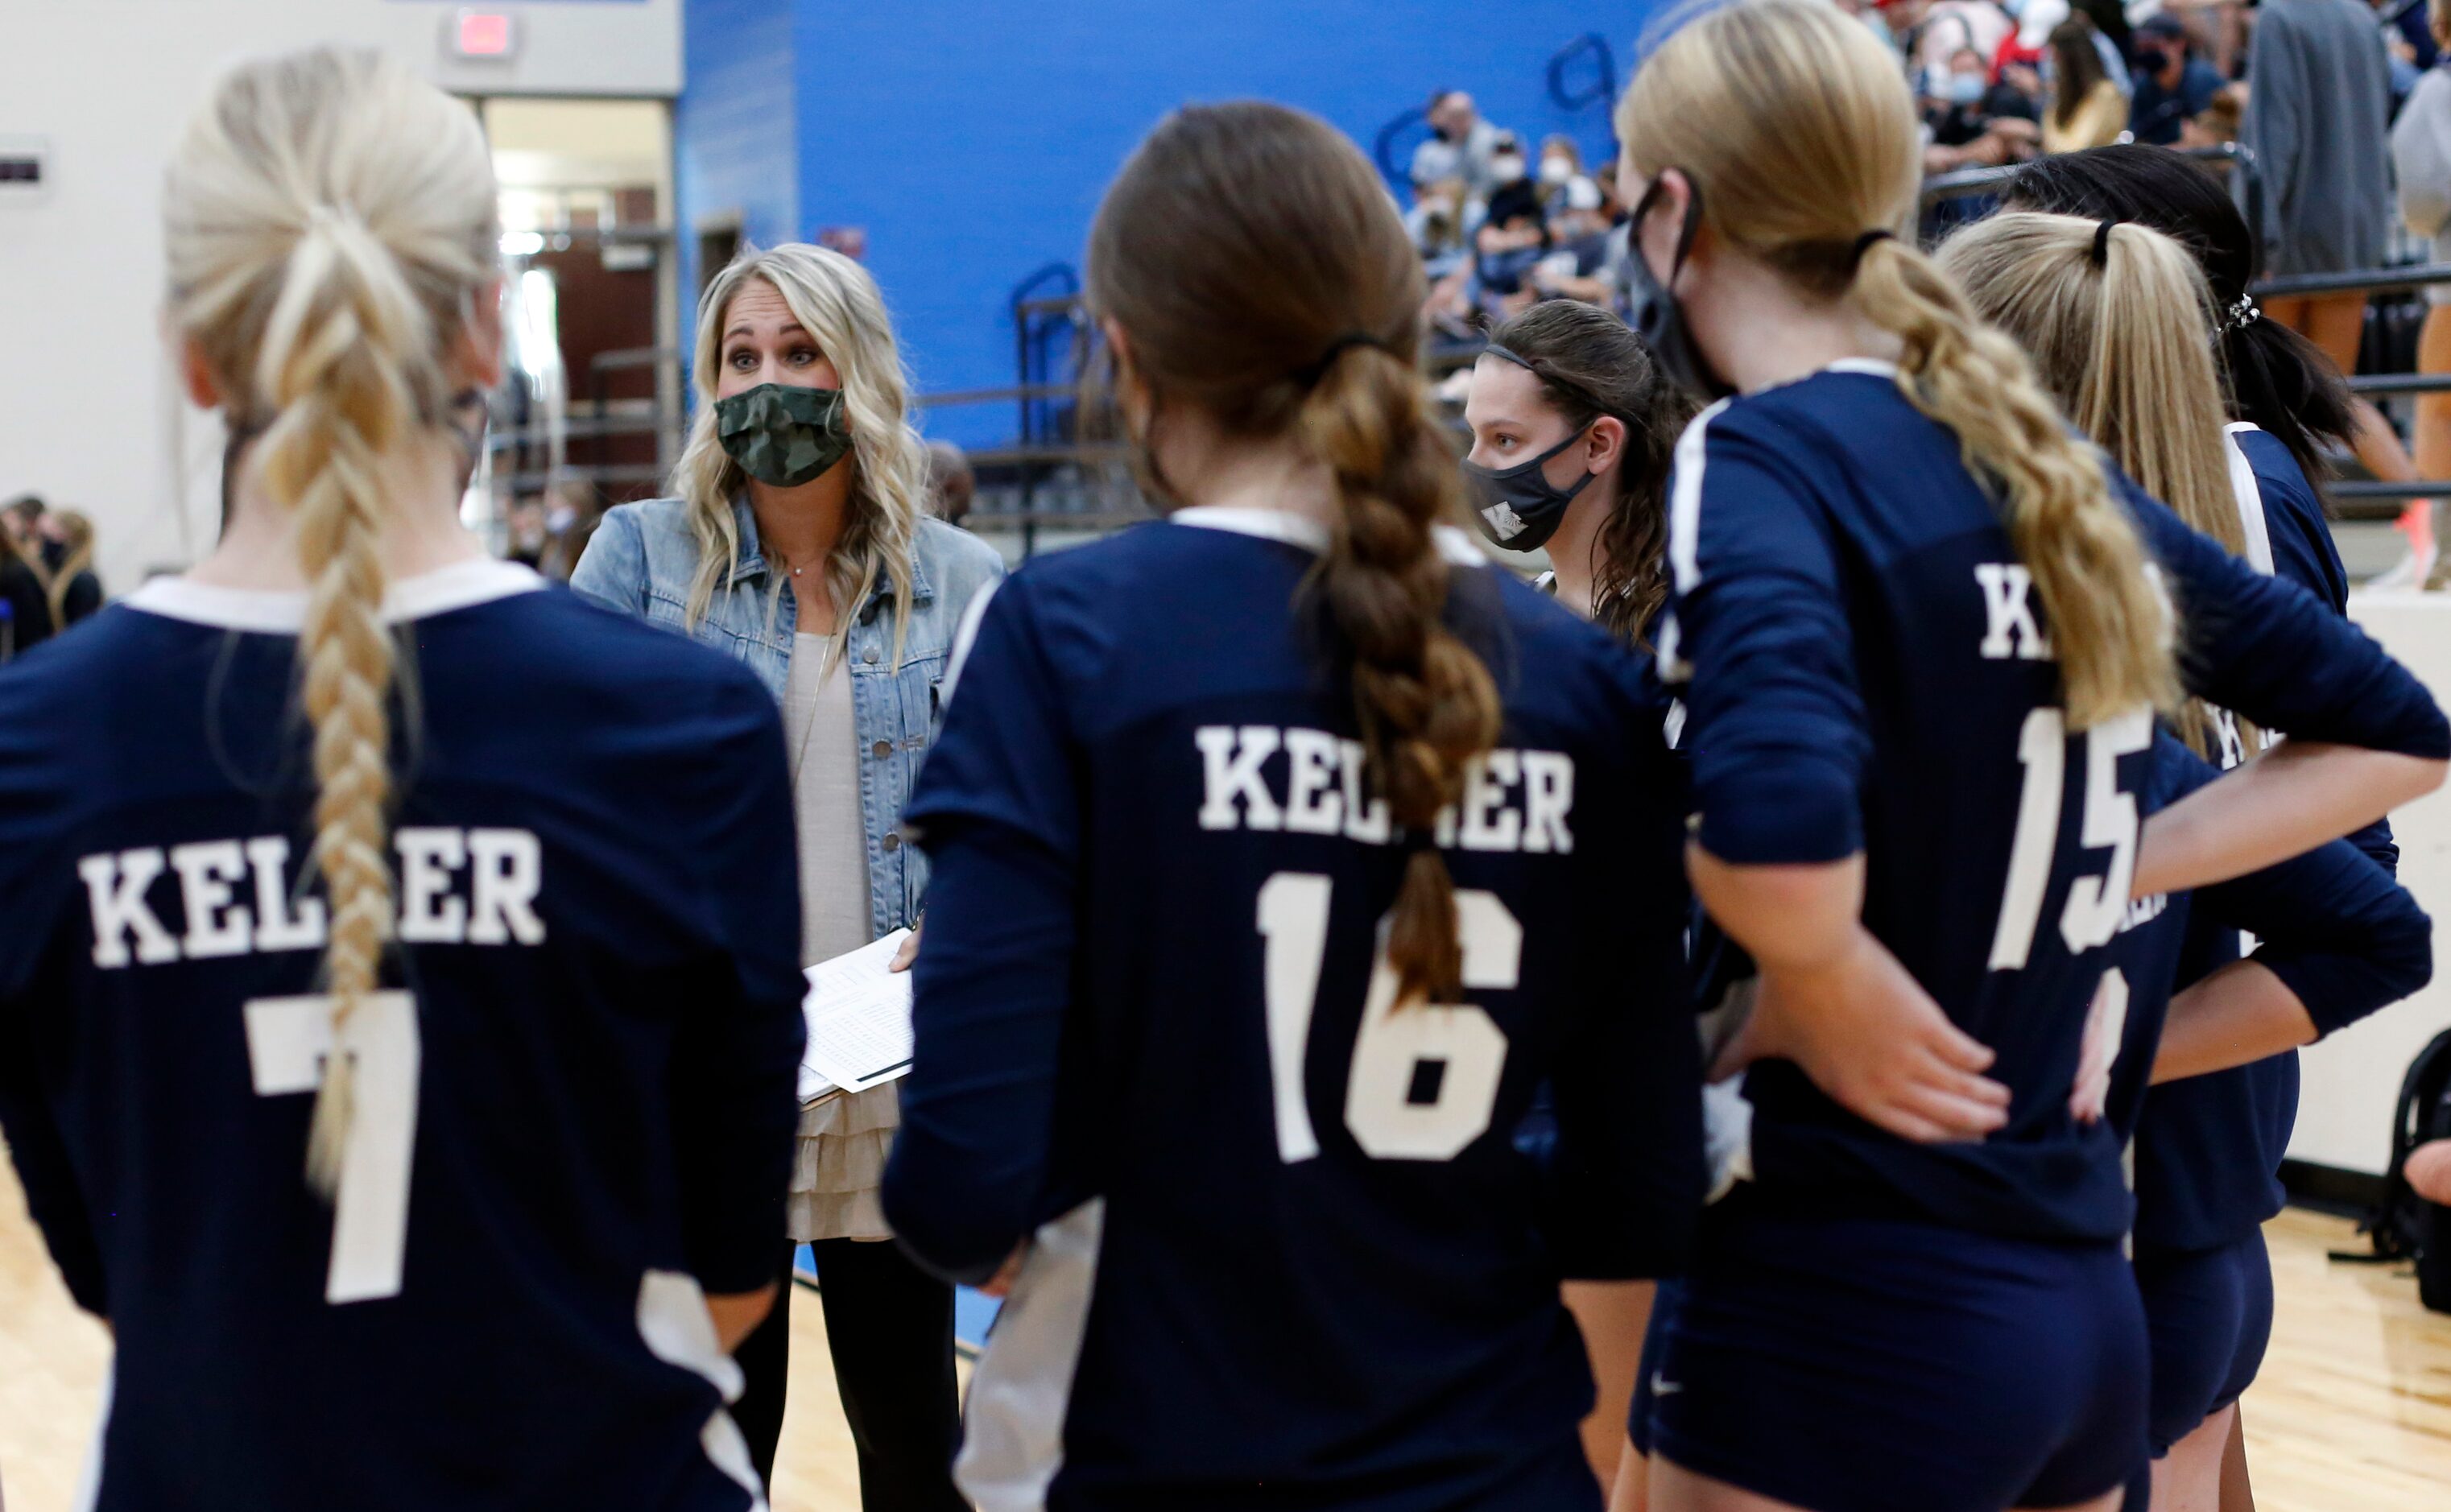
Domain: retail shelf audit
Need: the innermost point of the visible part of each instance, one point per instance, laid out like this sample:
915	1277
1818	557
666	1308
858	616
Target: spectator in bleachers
2173	85
1562	173
25	607
2318	103
1442	227
1512	239
1585	250
75	592
1936	30
1461	145
1975	123
2087	107
2217	124
2037	19
951	484
19	517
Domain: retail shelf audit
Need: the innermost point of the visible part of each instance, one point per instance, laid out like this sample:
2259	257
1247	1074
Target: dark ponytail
2276	379
1591	363
1257	267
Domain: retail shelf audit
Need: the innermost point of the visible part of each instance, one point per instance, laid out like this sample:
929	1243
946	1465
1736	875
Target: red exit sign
484	35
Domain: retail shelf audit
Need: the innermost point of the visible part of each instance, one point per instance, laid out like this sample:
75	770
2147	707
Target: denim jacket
641	563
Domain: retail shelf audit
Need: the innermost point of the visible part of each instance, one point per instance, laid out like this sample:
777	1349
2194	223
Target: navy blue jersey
1298	1246
1867	669
2338	929
2208	1148
574	1097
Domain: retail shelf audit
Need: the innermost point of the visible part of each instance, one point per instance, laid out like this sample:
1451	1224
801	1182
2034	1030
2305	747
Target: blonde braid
331	368
328	219
2111	631
1793	122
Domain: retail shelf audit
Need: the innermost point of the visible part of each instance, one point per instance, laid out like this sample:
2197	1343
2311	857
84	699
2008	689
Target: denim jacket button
870	655
892	843
882	748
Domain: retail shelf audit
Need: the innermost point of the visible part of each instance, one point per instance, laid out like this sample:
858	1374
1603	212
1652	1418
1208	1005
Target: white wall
89	415
2351	1079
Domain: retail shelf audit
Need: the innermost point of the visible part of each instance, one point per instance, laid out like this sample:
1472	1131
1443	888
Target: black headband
1578	390
2102	243
1337	348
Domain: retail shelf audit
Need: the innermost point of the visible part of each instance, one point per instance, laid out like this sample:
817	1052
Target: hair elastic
1337	348
1864	245
2102	243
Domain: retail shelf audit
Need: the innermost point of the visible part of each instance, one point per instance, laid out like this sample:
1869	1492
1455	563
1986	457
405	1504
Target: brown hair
327	220
2076	68
1791	121
1259	273
1591	363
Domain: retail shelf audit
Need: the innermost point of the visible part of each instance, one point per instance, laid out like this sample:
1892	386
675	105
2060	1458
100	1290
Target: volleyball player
2274	382
1571	425
1282	849
2123	326
1921	650
398	1011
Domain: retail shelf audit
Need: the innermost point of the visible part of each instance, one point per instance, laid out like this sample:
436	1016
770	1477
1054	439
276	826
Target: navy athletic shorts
1664	1301
1865	1365
2209	1315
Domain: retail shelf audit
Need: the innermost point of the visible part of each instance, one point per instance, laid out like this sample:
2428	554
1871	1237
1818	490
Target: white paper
859	1021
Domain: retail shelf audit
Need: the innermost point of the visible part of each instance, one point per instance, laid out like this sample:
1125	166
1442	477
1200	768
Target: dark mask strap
1685	234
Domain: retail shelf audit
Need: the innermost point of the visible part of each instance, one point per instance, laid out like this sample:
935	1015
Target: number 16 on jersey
1424	1076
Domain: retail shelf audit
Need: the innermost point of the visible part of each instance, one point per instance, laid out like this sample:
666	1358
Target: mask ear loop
1692	227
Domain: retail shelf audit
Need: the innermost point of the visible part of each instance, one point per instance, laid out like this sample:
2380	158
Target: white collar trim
461	585
1301	530
1869	367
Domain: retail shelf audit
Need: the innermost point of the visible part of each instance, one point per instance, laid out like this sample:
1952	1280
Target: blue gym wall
733	146
972	139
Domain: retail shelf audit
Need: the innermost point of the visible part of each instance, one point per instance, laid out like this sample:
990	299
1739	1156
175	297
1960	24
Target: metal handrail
2401	383
1964	182
2356	281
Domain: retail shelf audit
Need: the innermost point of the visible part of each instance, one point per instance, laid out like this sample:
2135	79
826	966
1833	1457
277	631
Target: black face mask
1654	312
1520	508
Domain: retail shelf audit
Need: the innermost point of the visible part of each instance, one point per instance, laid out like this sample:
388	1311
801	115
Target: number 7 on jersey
286	1041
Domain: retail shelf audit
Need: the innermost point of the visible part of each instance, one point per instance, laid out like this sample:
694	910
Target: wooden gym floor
2353	1412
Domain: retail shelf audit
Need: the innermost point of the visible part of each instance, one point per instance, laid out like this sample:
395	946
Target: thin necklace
816	695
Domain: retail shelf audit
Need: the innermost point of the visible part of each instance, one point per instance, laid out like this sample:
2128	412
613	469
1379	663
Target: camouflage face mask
782	434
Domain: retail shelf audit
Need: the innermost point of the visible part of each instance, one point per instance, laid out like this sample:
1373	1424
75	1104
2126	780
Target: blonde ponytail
1793	122
1428	706
2109	626
328	218
2117	319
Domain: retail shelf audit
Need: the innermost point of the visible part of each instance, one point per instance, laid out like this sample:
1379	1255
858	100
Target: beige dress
844	1139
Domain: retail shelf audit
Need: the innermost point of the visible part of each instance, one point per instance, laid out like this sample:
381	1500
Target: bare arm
1613	1316
2237	1016
1835	1002
2286	802
737	1314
